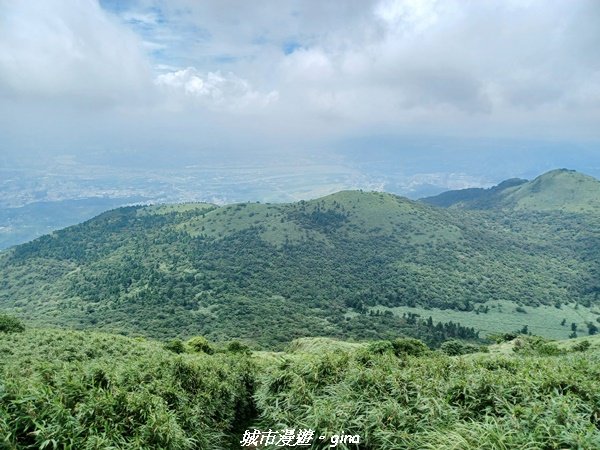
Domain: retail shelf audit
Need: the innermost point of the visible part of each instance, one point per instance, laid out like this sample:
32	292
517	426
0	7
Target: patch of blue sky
116	6
289	47
168	40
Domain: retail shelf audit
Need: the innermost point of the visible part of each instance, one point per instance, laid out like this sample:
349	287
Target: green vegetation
9	324
352	265
475	198
501	316
558	190
73	390
24	223
88	390
357	314
437	401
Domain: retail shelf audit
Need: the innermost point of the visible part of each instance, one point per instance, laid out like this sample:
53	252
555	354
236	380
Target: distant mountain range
558	190
358	265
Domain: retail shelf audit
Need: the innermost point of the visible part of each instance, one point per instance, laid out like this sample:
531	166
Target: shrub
10	324
536	345
548	349
456	348
582	346
200	344
452	348
380	347
176	346
499	338
409	346
238	347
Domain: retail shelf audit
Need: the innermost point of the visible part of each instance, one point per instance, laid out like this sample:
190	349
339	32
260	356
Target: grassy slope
504	399
92	390
75	390
558	190
503	317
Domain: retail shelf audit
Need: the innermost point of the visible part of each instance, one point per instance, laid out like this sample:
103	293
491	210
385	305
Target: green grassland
557	190
504	317
86	390
73	390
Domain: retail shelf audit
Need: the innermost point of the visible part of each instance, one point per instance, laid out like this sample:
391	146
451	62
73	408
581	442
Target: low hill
265	273
559	190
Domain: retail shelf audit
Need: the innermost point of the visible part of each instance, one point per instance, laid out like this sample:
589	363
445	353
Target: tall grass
437	401
81	390
73	390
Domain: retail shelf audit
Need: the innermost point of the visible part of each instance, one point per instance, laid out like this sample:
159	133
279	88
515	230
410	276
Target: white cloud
450	65
213	89
69	51
304	71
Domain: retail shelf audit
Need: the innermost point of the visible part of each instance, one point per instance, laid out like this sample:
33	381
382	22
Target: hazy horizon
226	101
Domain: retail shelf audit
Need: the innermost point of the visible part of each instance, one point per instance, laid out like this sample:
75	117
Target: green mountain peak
557	190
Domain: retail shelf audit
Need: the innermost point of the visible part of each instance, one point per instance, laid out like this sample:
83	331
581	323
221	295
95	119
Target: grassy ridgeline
64	389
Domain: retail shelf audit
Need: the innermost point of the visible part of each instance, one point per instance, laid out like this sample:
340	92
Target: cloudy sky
236	77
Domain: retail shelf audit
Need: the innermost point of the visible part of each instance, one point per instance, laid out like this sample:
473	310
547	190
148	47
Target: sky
232	79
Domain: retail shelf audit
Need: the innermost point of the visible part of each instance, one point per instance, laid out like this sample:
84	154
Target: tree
582	346
238	347
453	348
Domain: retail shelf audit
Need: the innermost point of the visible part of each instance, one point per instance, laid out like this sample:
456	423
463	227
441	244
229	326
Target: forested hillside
358	265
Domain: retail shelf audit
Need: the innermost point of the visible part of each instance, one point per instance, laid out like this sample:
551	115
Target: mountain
359	265
558	190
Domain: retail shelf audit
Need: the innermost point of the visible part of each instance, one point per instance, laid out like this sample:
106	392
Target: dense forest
338	266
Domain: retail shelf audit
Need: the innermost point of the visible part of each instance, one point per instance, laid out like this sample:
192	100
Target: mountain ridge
349	265
556	190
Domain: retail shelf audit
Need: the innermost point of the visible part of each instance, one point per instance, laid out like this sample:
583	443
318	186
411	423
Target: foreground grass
74	390
83	390
439	402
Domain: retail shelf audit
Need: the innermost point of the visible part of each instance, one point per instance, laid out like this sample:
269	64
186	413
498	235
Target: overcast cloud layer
81	76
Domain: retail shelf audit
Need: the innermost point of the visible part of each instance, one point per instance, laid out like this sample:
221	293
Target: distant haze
454	92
